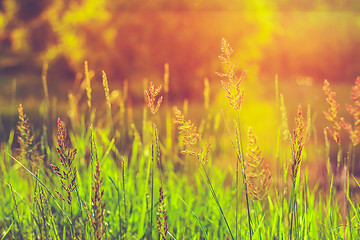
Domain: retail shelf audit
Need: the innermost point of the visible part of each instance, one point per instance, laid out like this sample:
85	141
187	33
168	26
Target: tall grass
127	178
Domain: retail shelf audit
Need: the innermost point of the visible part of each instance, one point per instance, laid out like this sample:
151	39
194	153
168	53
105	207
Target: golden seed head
257	173
152	97
333	109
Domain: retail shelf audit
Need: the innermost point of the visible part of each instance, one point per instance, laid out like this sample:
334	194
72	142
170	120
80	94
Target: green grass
204	196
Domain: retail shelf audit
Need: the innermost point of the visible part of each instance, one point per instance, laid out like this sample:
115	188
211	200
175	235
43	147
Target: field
247	165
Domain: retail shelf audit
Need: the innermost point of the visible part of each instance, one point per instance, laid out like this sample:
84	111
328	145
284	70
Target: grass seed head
355	112
257	173
298	140
162	223
331	114
152	97
28	149
68	173
106	89
234	91
187	129
88	84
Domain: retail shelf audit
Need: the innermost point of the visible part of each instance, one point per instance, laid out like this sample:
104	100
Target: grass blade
193	213
7	231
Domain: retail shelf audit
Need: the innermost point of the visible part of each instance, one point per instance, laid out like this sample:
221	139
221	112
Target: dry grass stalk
284	119
234	92
88	84
257	173
298	140
44	82
162	217
152	97
331	115
355	112
67	156
106	89
73	110
108	101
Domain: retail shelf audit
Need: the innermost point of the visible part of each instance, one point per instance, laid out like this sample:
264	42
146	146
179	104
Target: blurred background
303	42
308	40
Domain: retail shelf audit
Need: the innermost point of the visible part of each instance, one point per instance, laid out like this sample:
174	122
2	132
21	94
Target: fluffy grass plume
234	91
257	173
332	116
235	95
332	113
187	129
355	112
27	147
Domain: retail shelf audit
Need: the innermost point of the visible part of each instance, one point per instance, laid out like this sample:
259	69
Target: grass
105	174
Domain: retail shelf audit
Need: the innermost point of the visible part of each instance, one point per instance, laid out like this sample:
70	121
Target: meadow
225	168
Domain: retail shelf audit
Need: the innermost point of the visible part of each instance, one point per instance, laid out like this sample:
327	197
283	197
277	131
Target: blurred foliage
134	39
